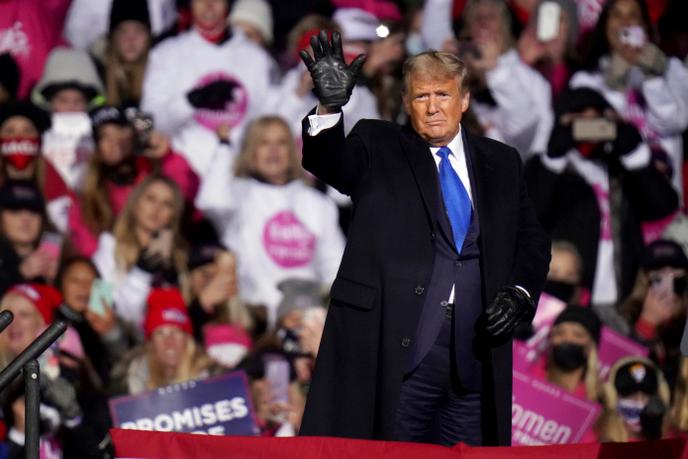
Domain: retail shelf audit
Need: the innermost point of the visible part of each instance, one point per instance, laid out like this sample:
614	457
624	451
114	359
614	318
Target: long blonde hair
127	247
123	80
679	408
244	166
193	365
610	426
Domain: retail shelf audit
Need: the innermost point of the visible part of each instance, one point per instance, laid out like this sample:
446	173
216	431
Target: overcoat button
405	342
419	290
432	236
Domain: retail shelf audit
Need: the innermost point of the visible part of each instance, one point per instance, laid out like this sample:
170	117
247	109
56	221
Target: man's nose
432	106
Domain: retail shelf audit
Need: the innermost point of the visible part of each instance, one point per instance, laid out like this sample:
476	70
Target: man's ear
465	101
405	101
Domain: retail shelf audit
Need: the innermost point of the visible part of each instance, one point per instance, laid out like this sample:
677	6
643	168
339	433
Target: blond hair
438	65
5	355
195	364
610	426
244	166
128	247
679	408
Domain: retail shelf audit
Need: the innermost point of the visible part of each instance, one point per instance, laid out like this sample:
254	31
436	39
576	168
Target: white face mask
630	410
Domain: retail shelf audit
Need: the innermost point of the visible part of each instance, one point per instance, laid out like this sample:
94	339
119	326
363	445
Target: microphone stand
26	362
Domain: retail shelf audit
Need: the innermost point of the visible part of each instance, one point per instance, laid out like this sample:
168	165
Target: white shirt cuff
16	436
319	123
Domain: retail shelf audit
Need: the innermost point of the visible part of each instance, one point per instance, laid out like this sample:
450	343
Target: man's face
435	107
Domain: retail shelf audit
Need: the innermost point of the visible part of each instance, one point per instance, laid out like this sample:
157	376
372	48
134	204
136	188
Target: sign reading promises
215	406
544	414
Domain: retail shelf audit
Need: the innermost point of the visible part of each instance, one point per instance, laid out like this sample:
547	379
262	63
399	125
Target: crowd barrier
130	444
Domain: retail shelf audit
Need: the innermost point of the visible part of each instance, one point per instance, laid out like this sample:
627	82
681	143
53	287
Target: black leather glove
61	395
333	80
213	96
511	307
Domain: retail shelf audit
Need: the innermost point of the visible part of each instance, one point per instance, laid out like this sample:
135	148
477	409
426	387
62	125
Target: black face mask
568	356
560	290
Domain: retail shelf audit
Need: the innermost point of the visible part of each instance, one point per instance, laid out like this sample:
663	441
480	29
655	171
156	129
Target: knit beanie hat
578	99
664	253
39	118
583	316
166	307
226	344
129	10
257	13
636	376
46	299
357	24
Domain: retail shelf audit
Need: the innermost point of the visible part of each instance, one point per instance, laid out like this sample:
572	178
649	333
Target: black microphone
34	349
6	318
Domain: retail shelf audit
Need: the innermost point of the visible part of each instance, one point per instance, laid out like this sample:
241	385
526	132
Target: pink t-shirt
29	30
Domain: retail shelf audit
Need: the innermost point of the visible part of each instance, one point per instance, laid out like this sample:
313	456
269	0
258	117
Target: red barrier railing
164	445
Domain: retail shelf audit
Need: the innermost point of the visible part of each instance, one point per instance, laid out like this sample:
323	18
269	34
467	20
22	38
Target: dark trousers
433	408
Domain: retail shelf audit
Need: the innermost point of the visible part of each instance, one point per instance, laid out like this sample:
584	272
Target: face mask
568	357
630	410
19	152
414	44
560	290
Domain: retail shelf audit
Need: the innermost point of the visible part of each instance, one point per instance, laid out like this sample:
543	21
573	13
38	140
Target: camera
598	129
143	125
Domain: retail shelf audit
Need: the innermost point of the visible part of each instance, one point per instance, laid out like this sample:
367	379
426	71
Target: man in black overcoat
417	342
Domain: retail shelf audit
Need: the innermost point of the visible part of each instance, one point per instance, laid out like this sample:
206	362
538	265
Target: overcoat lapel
424	171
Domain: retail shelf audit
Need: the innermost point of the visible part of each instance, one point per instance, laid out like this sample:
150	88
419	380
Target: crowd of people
152	194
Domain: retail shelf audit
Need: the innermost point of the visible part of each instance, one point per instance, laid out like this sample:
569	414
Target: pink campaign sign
614	346
544	414
288	242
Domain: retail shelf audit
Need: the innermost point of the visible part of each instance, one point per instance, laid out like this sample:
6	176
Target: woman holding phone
104	337
145	248
646	88
22	221
656	308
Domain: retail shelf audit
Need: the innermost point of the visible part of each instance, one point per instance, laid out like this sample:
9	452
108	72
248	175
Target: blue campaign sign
220	405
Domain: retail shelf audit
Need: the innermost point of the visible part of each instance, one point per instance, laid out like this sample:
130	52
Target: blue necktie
456	198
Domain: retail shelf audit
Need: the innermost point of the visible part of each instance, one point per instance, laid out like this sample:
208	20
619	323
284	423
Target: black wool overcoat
377	296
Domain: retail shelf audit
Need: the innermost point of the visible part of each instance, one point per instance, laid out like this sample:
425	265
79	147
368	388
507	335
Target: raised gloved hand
61	395
213	96
333	80
511	306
